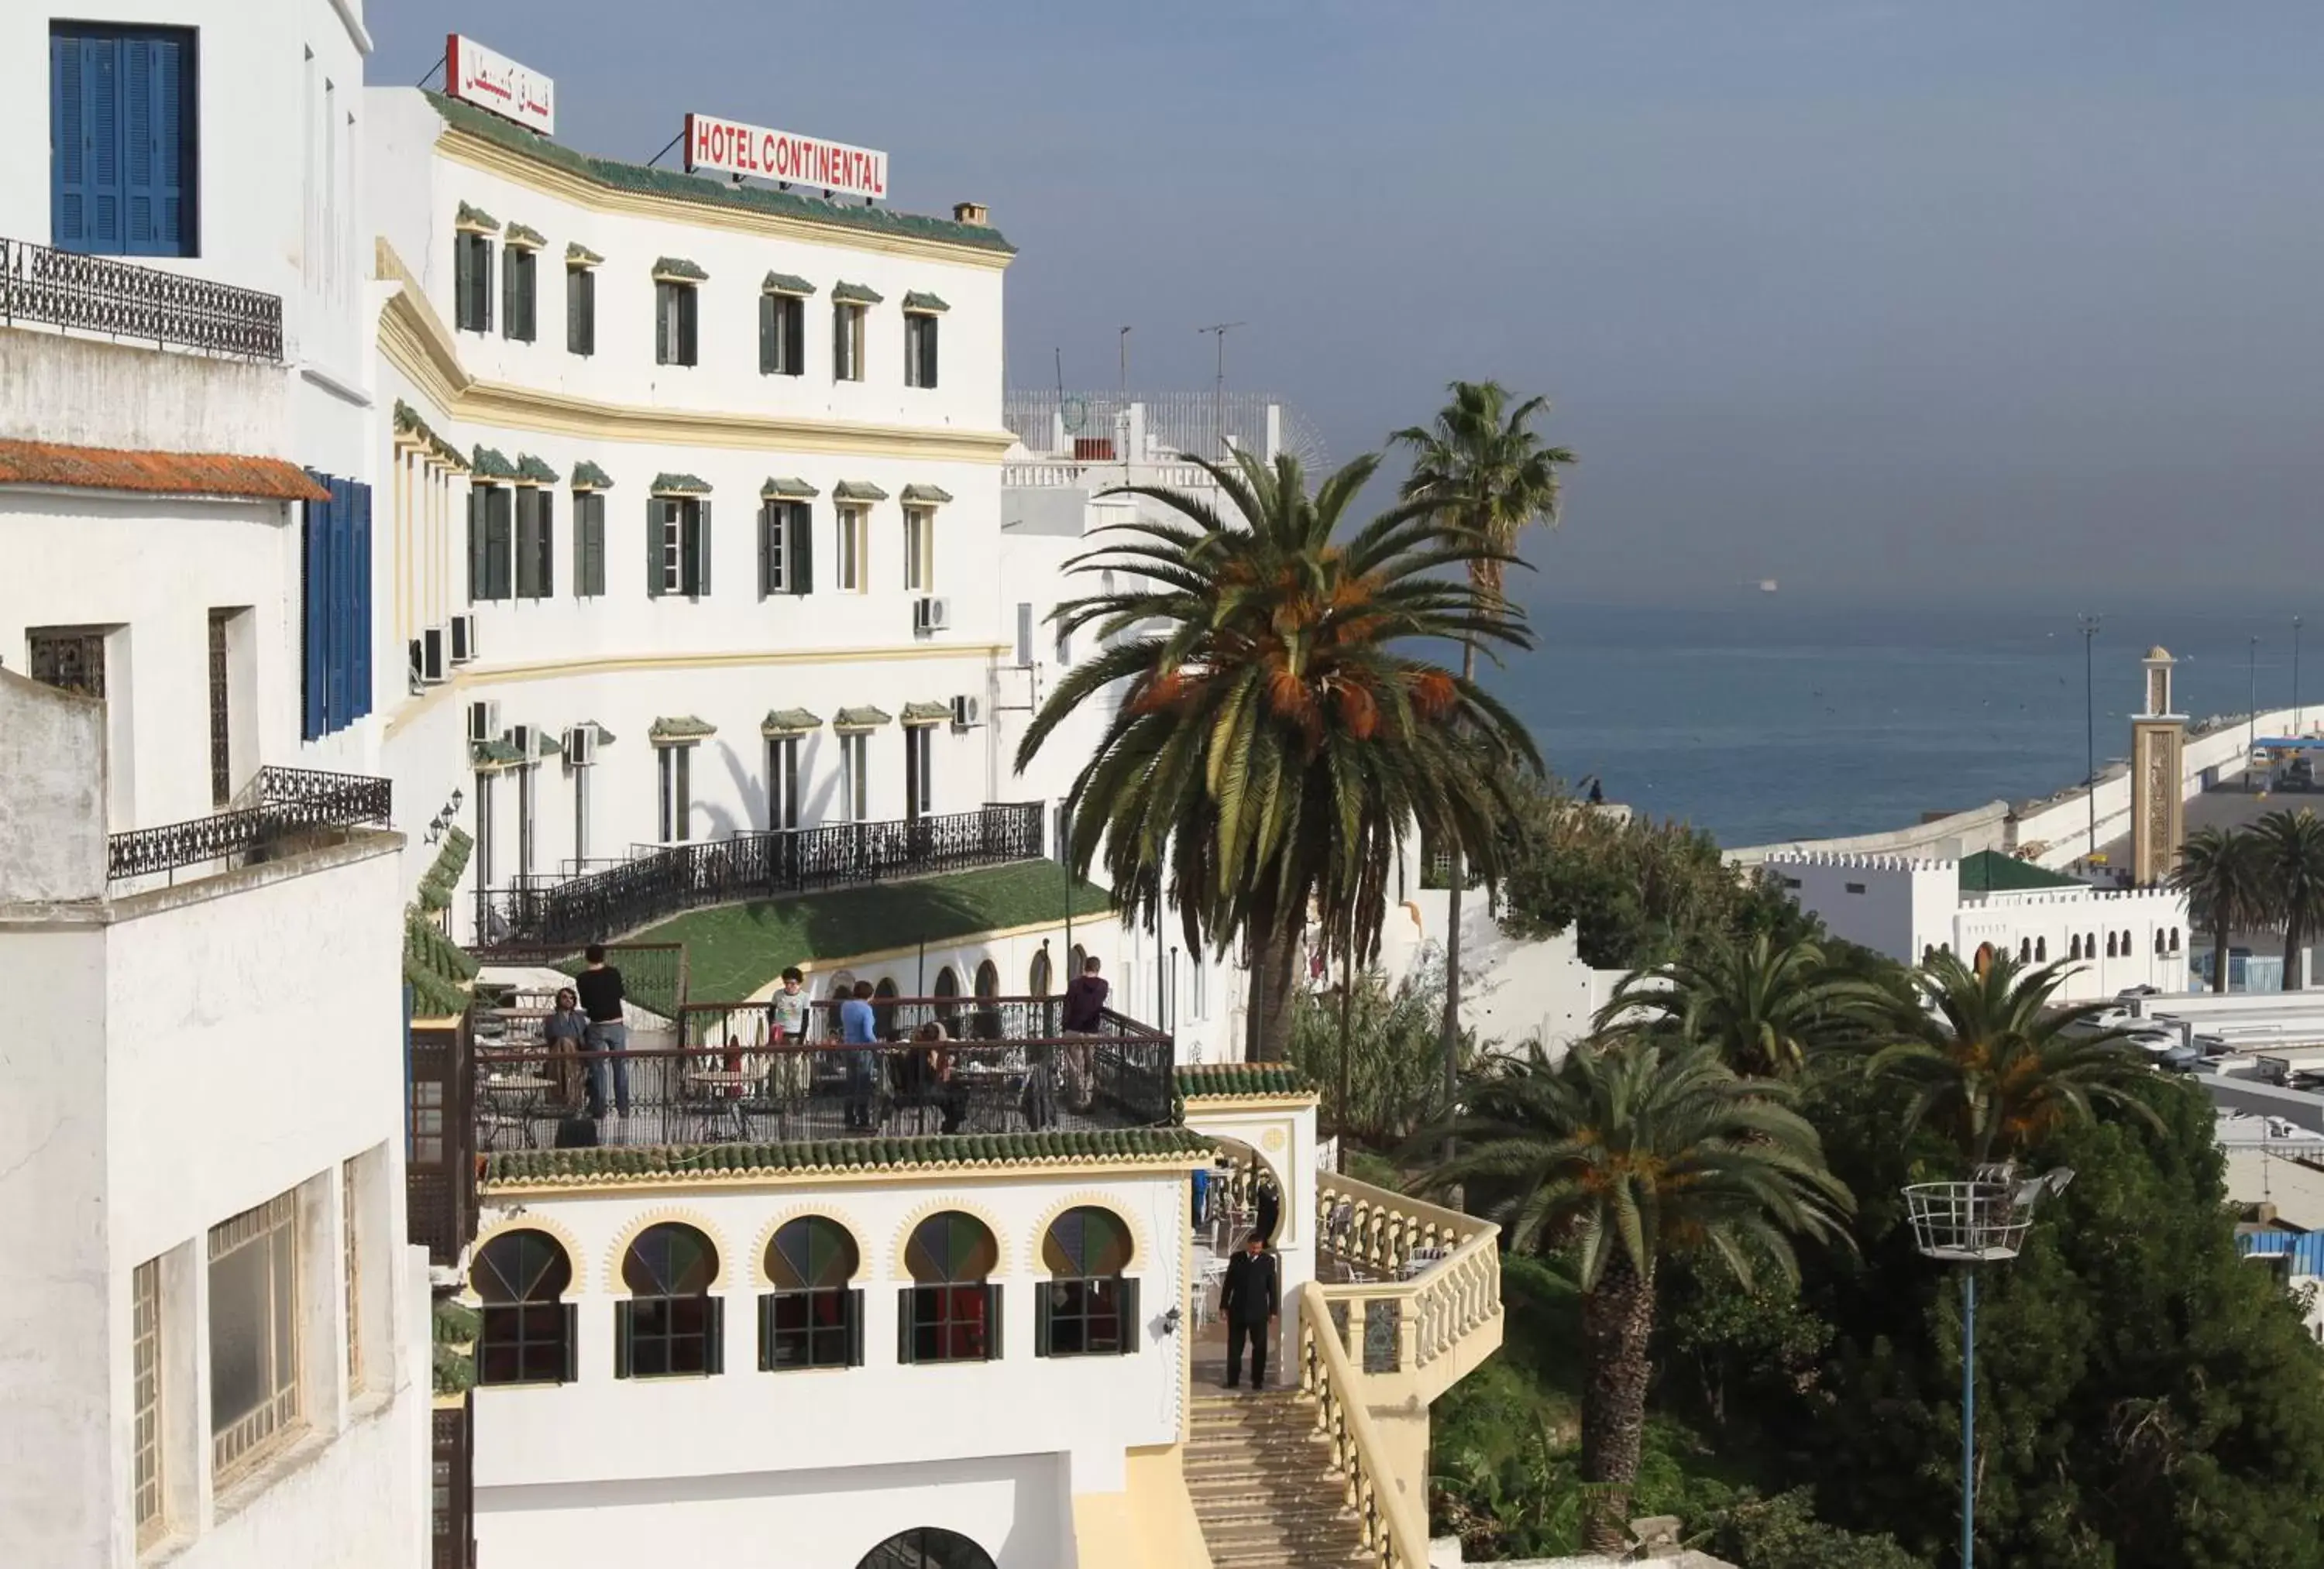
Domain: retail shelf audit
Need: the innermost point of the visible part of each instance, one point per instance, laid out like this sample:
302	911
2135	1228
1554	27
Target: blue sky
1900	301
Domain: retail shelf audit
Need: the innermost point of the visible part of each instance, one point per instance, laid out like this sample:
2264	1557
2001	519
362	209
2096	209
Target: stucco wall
52	811
90	392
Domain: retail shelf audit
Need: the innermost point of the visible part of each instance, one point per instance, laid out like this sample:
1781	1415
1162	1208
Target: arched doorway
883	1007
927	1547
985	1024
947	989
1037	980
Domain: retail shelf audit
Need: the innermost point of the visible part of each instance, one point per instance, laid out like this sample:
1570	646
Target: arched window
2041	951
813	1317
2110	952
950	1313
2025	950
528	1336
926	1548
2076	952
883	1007
1086	1309
947	987
2125	943
2089	945
671	1326
2174	940
985	1024
1073	962
1037	980
2158	942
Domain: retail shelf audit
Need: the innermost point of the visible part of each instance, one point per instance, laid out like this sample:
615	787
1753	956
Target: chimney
975	213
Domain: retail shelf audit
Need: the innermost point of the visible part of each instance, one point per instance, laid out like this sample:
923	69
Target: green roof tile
499	754
588	475
669	484
789	721
866	718
683	726
576	254
476	218
618	1164
927	713
858	491
1991	872
1213	1080
786	489
716	193
915	300
523	237
786	283
528	467
604	736
926	495
856	294
492	465
679	268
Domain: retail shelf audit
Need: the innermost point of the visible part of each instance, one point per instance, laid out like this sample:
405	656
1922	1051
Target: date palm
1282	727
2292	843
1765	1008
1481	468
2225	876
1992	1060
1625	1153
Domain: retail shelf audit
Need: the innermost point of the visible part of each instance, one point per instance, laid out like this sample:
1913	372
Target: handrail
1382	1228
82	292
1431	1308
1383	1515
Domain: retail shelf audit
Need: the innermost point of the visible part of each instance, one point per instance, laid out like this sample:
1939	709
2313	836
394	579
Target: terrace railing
286	804
654	975
1417	1283
102	294
1392	1528
754	865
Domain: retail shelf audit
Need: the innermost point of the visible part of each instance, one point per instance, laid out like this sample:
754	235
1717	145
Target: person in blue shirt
856	1029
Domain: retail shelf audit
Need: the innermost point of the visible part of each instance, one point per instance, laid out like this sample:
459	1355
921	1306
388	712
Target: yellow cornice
1252	1103
415	341
478	153
951	1174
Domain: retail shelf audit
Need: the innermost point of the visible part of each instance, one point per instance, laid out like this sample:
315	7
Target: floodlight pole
1968	1416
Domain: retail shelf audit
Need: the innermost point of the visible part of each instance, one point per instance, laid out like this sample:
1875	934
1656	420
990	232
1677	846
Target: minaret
2158	807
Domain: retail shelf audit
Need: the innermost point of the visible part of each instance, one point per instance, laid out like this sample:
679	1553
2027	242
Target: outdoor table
722	1117
520	1097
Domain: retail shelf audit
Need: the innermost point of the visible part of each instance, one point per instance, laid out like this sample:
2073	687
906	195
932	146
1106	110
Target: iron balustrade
285	803
102	294
756	864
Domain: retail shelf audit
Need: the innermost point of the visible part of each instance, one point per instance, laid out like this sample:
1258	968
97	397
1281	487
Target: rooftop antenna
1125	363
1218	392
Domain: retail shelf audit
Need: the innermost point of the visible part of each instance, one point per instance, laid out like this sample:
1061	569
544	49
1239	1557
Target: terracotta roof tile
177	473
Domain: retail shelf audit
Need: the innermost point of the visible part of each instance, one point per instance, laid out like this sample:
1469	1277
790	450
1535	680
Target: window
491	542
677	545
2041	951
221	724
68	659
919	349
926	1548
951	1313
1855	887
351	1265
518	301
674	308
854	778
145	1374
580	310
1087	1308
920	548
588	542
472	282
123	149
676	792
783	782
536	542
918	791
812	1318
1037	979
2075	949
782	334
529	1335
786	543
854	547
254	1405
847	319
671	1326
334	616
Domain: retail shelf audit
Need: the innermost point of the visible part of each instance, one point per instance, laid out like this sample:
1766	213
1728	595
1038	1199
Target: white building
2114	938
199	897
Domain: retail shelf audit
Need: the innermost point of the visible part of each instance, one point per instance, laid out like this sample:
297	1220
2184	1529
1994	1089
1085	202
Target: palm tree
1627	1152
1765	1009
1276	743
1482	469
1995	1063
2294	845
2225	876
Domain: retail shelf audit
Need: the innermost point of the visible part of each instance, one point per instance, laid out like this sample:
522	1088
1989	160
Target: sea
1765	719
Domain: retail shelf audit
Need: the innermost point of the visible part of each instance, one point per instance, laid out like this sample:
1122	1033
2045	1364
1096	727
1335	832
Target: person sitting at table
565	1030
934	1077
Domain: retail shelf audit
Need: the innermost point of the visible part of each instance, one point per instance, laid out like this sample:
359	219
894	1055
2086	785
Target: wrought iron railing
654	975
288	802
755	865
102	294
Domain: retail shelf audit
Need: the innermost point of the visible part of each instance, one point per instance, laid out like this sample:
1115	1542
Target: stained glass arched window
528	1334
670	1325
814	1317
951	1313
927	1547
1086	1308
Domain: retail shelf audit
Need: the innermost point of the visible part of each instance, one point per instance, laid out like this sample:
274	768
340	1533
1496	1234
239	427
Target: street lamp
2251	721
2295	676
1982	1221
2089	626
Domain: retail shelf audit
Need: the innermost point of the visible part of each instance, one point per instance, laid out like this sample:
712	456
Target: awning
528	467
925	495
669	484
786	283
789	721
576	254
786	489
926	304
928	713
488	756
856	294
488	464
858	491
677	729
181	473
476	221
604	736
522	238
678	269
866	718
588	476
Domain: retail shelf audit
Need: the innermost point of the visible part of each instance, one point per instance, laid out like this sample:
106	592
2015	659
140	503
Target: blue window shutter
172	149
315	587
68	151
101	135
338	612
138	132
360	632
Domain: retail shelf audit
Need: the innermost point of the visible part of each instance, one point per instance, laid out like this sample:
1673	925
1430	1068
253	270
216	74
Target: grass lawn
734	949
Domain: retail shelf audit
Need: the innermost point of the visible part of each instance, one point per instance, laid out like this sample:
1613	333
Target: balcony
672	879
1413	1289
102	294
1005	1068
290	807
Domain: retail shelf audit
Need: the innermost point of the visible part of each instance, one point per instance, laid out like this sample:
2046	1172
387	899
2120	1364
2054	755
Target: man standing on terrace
599	987
858	1033
1085	996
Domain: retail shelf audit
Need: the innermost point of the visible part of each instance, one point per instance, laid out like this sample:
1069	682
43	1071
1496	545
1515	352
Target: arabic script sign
476	74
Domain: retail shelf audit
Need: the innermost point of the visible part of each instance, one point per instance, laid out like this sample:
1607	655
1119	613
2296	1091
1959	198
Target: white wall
1889	904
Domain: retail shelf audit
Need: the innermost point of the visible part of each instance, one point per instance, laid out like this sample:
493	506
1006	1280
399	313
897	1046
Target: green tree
1391	1051
1995	1064
1766	1007
2225	875
1624	1153
2294	845
1483	470
1277	739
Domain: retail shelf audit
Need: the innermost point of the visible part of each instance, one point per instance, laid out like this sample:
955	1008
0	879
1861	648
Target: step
1273	1513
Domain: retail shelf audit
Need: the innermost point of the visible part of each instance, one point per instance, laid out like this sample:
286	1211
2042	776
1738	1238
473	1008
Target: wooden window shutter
572	1372
476	573
69	188
528	545
662	322
510	265
687	298
769	324
1041	1294
794	333
702	554
904	1325
801	538
545	504
622	1318
714	1352
855	1327
767	1332
1133	1330
653	546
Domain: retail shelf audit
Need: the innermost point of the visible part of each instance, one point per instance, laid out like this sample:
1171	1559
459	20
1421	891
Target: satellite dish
1074	412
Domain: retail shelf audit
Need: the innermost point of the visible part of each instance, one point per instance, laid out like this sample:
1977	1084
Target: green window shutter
464	280
855	1327
768	525
687	298
510	265
801	538
653	546
1041	1294
794	333
621	1314
769	323
475	543
572	1372
767	1332
1133	1328
483	270
702	551
500	500
904	1325
992	1322
545	504
661	323
838	343
596	583
928	371
528	546
580	543
714	1353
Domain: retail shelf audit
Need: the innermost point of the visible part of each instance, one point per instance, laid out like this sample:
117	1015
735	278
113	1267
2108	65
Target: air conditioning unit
581	746
428	656
931	615
526	739
463	638
964	711
483	721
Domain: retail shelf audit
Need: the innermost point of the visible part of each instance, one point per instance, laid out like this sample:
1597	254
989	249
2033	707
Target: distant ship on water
1766	585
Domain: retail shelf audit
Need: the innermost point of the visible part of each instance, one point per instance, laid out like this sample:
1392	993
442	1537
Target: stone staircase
1263	1486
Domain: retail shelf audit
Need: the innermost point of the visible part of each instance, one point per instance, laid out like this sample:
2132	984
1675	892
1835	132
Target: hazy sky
1911	299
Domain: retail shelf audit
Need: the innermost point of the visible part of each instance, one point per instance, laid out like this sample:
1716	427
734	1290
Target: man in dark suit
1250	1302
